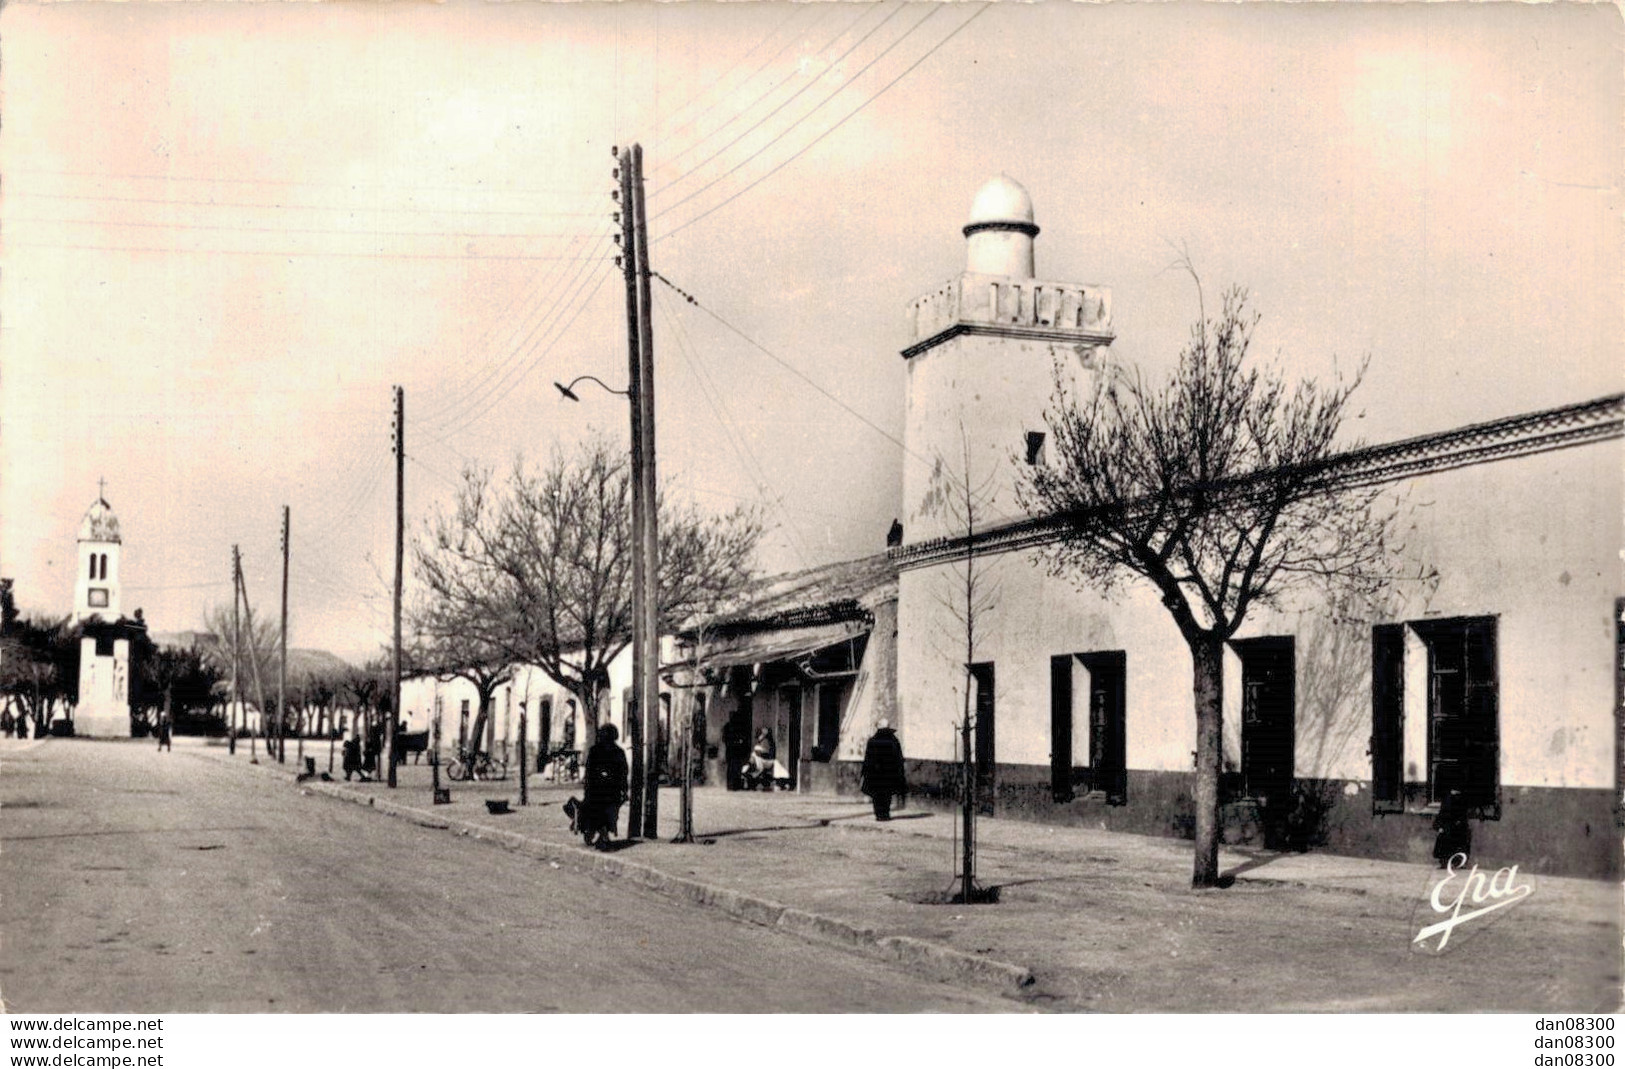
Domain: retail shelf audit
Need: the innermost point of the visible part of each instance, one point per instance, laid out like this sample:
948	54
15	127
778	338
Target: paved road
133	881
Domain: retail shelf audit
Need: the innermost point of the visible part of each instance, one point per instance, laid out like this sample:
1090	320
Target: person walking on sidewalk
605	790
883	769
352	759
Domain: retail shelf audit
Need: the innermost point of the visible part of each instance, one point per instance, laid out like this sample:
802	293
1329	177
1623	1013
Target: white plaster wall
998	389
103	708
82	582
1038	616
1533	541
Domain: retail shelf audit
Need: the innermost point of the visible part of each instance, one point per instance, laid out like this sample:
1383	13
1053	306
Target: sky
227	230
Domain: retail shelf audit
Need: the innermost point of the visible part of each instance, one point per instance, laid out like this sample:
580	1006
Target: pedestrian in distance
372	748
352	759
883	777
163	734
605	789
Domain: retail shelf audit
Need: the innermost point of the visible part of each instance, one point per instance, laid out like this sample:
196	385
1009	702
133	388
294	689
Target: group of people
606	779
361	753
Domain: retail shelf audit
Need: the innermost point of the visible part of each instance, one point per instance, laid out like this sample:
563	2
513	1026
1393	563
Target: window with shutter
1387	718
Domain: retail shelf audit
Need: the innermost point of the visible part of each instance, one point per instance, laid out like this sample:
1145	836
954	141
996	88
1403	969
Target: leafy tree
441	649
39	666
1217	488
537	570
185	681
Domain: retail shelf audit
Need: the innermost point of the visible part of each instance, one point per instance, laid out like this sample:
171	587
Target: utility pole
400	549
434	752
649	678
254	661
282	661
236	701
524	772
634	390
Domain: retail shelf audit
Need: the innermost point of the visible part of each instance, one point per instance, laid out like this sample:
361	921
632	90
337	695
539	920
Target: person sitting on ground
763	756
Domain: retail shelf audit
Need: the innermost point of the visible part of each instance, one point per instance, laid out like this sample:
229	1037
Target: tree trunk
476	733
1207	660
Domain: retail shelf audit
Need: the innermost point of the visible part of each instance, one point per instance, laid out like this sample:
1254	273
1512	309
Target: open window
1086	722
1446	672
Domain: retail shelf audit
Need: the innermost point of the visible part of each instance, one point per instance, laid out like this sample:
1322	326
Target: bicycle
481	766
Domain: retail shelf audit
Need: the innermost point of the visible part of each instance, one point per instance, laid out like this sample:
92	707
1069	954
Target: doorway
1268	732
983	747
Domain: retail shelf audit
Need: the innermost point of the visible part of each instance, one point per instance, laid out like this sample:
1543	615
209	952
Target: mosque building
1346	726
1496	679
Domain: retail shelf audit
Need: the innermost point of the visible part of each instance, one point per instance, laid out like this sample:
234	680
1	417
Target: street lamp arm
570	394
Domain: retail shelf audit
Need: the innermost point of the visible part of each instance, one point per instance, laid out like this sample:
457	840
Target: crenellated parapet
1011	307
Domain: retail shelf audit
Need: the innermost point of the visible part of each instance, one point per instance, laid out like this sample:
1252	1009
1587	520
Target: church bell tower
103	710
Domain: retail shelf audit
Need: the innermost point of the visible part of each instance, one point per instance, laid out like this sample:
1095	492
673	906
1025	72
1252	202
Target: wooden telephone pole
282	658
649	680
643	712
400	549
236	701
254	663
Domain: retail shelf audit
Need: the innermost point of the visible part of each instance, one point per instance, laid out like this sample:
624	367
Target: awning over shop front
779	644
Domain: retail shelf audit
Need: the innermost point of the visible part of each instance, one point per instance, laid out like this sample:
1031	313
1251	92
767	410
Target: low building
1346	724
810	658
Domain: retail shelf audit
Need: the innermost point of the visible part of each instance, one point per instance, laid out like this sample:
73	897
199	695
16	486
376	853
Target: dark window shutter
1060	727
1387	718
1483	751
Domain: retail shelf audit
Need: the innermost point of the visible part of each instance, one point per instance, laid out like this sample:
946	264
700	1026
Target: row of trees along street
1218	487
535	569
39	676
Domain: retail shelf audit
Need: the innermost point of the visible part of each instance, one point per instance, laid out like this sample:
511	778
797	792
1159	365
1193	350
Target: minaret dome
999	235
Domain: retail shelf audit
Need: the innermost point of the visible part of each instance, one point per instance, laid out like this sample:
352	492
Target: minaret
103	710
982	364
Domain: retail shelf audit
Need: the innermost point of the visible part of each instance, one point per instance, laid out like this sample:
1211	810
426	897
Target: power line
530	298
492	367
292	254
218	179
371	209
503	390
497	372
782	105
800	152
863	12
795	9
735	437
859	416
157	225
498	381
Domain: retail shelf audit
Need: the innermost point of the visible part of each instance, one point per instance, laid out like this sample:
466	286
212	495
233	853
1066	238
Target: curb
942	962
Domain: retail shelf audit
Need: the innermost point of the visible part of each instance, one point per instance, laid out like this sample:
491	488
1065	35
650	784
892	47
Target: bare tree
537	570
961	497
257	650
1218	488
444	648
